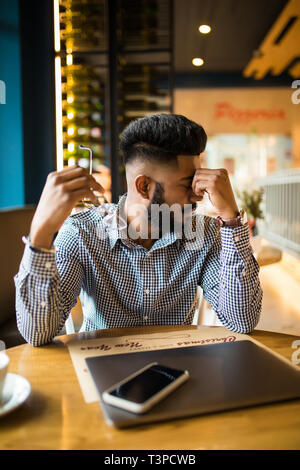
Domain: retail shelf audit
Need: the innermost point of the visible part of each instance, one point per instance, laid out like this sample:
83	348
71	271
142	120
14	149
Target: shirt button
48	265
237	239
147	291
43	304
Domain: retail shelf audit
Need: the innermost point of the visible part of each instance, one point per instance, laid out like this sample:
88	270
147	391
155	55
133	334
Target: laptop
223	376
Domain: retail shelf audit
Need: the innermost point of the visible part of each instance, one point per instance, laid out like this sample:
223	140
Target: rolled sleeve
47	287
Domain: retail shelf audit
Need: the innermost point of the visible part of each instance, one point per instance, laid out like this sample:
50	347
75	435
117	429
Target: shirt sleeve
47	287
230	279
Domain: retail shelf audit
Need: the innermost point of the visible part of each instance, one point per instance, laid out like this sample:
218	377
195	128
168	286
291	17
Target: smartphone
142	390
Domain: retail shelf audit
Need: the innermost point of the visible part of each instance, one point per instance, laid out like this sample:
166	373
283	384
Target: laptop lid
223	377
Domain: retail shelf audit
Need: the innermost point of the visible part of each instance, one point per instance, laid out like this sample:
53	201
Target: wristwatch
240	219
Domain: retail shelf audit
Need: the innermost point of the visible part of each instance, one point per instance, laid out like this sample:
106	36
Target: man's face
173	185
175	182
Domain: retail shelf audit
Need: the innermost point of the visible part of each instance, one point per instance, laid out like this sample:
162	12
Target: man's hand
217	185
63	189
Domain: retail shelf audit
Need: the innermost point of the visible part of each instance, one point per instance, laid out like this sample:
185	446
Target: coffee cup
4	361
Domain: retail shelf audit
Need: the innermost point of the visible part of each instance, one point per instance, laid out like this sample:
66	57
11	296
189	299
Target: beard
157	221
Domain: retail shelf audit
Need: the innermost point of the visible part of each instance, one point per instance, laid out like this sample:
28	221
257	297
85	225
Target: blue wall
11	138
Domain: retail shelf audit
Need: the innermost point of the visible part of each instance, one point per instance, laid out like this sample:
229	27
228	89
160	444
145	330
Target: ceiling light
204	29
197	61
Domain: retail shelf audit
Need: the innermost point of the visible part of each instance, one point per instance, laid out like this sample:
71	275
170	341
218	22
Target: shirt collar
112	227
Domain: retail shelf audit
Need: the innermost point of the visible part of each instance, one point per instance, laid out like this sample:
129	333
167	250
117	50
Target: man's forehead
188	164
185	166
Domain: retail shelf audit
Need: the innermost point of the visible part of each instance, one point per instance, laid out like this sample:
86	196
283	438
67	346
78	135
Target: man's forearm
36	320
44	295
240	291
236	295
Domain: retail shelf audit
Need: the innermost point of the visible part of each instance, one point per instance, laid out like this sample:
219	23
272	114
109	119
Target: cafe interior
73	75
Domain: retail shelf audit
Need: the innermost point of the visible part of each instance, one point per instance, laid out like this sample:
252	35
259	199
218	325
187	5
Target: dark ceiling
238	28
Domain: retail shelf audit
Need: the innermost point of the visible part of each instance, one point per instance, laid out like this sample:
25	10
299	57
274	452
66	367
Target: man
123	274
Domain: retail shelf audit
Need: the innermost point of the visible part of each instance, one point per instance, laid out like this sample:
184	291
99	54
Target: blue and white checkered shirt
121	284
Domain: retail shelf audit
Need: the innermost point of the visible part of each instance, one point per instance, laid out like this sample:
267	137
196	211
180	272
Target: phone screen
147	383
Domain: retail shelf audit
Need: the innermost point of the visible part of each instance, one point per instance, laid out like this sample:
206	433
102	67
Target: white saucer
16	391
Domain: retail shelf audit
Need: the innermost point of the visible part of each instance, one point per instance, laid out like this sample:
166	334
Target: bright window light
58	112
56	25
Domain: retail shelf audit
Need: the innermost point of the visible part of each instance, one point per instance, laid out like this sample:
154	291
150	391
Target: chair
204	315
74	321
14	223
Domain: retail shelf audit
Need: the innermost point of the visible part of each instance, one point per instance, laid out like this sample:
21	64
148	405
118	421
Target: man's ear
142	185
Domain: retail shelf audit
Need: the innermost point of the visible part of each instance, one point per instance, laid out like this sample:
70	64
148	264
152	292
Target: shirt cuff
236	238
39	263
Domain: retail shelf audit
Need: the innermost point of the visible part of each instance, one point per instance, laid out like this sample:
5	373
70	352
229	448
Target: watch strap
235	222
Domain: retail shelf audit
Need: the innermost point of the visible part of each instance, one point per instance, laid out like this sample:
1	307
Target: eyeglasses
87	202
104	207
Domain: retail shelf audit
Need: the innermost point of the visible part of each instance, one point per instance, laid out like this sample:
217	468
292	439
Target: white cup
4	361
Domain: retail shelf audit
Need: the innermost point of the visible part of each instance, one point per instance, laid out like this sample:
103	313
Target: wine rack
83	102
116	65
145	68
82	35
82	25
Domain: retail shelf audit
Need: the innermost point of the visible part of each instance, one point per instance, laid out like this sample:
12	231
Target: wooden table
55	416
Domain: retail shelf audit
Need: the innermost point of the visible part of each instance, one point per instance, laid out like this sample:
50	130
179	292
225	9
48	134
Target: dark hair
162	137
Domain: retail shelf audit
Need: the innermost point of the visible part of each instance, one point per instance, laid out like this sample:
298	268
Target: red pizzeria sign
226	110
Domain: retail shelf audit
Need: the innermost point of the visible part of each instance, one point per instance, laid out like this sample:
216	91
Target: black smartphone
142	390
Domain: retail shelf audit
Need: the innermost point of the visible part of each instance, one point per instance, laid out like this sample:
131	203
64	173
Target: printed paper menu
80	350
